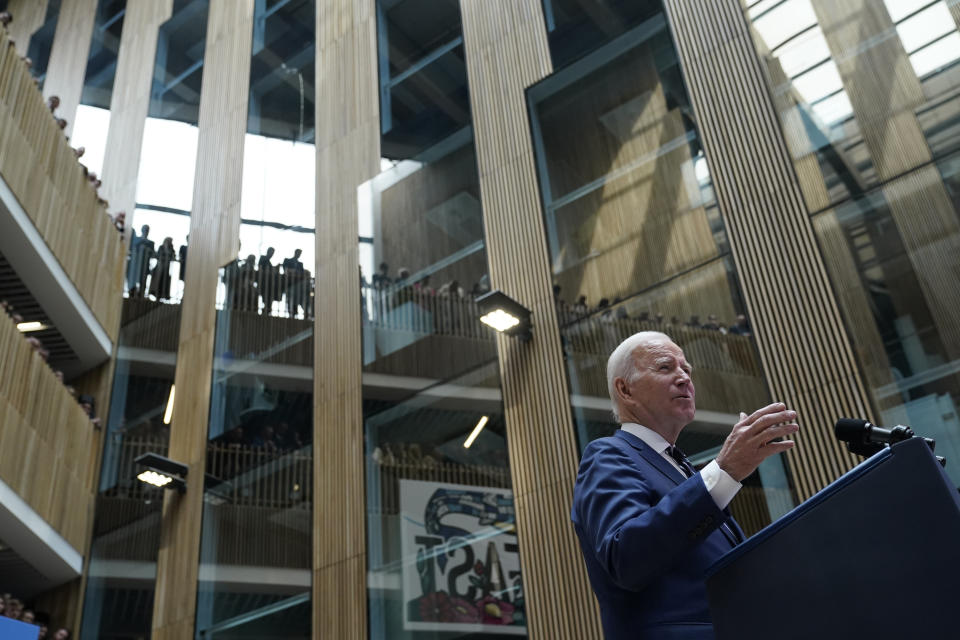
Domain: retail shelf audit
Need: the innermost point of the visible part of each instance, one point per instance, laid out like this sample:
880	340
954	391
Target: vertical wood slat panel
348	154
214	235
507	51
130	101
803	347
40	169
43	428
68	57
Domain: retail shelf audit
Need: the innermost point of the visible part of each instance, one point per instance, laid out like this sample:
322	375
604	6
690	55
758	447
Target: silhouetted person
268	281
160	276
741	326
231	280
712	324
293	282
53	103
183	258
694	322
247	284
382	279
141	252
6	18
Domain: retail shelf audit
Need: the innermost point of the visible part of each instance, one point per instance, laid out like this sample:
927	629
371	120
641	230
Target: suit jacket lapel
652	457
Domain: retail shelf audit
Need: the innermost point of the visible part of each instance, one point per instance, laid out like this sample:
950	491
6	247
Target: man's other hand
753	439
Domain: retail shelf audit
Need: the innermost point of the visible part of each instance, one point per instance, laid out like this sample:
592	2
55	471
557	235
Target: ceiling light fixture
162	472
27	327
476	431
168	414
504	314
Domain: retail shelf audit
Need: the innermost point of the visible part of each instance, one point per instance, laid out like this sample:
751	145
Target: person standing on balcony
183	258
268	281
293	283
160	276
141	252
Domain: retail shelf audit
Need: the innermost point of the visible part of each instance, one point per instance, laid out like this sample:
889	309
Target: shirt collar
650	437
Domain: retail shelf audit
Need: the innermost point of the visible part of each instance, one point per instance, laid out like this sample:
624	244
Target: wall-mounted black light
162	472
506	315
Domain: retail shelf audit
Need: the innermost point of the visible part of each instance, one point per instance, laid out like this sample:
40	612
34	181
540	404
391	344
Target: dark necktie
689	471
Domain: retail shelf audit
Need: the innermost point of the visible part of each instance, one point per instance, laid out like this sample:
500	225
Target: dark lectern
874	555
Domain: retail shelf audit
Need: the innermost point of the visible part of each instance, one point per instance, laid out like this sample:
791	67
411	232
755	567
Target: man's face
661	396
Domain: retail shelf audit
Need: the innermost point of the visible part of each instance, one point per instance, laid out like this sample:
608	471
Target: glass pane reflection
638	244
126	537
888	253
849	125
442	551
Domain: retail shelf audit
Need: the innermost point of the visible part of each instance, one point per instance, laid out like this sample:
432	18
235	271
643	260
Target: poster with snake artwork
461	563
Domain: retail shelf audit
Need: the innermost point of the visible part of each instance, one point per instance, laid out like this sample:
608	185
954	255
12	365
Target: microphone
865	439
854	431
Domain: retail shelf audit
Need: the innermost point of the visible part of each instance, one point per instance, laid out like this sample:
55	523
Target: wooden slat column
348	154
507	51
805	352
214	240
68	57
130	101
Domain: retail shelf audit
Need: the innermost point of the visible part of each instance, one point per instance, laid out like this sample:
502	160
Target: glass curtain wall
123	555
123	558
443	559
93	114
255	553
869	102
168	159
637	243
41	42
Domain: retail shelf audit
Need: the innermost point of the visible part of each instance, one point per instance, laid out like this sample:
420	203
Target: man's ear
622	388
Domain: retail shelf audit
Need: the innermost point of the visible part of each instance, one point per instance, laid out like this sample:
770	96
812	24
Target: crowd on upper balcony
87	402
53	103
16	609
607	310
255	284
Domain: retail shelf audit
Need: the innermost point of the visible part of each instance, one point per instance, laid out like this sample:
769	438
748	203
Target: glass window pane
803	52
818	82
888	251
927	25
899	9
442	551
637	243
936	56
874	114
833	108
785	21
575	28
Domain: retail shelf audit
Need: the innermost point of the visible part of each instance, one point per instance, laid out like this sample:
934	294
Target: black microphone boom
866	439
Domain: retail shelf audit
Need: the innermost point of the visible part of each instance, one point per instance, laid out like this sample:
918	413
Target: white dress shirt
721	487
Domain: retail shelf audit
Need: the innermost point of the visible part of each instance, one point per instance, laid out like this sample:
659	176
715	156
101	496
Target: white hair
622	364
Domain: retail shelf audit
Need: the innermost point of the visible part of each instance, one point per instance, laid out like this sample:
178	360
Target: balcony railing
42	172
48	445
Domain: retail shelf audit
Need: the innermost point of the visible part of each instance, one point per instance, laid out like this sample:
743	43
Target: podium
876	554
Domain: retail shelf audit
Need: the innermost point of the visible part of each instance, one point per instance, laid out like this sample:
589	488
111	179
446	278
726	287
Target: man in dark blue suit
649	524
